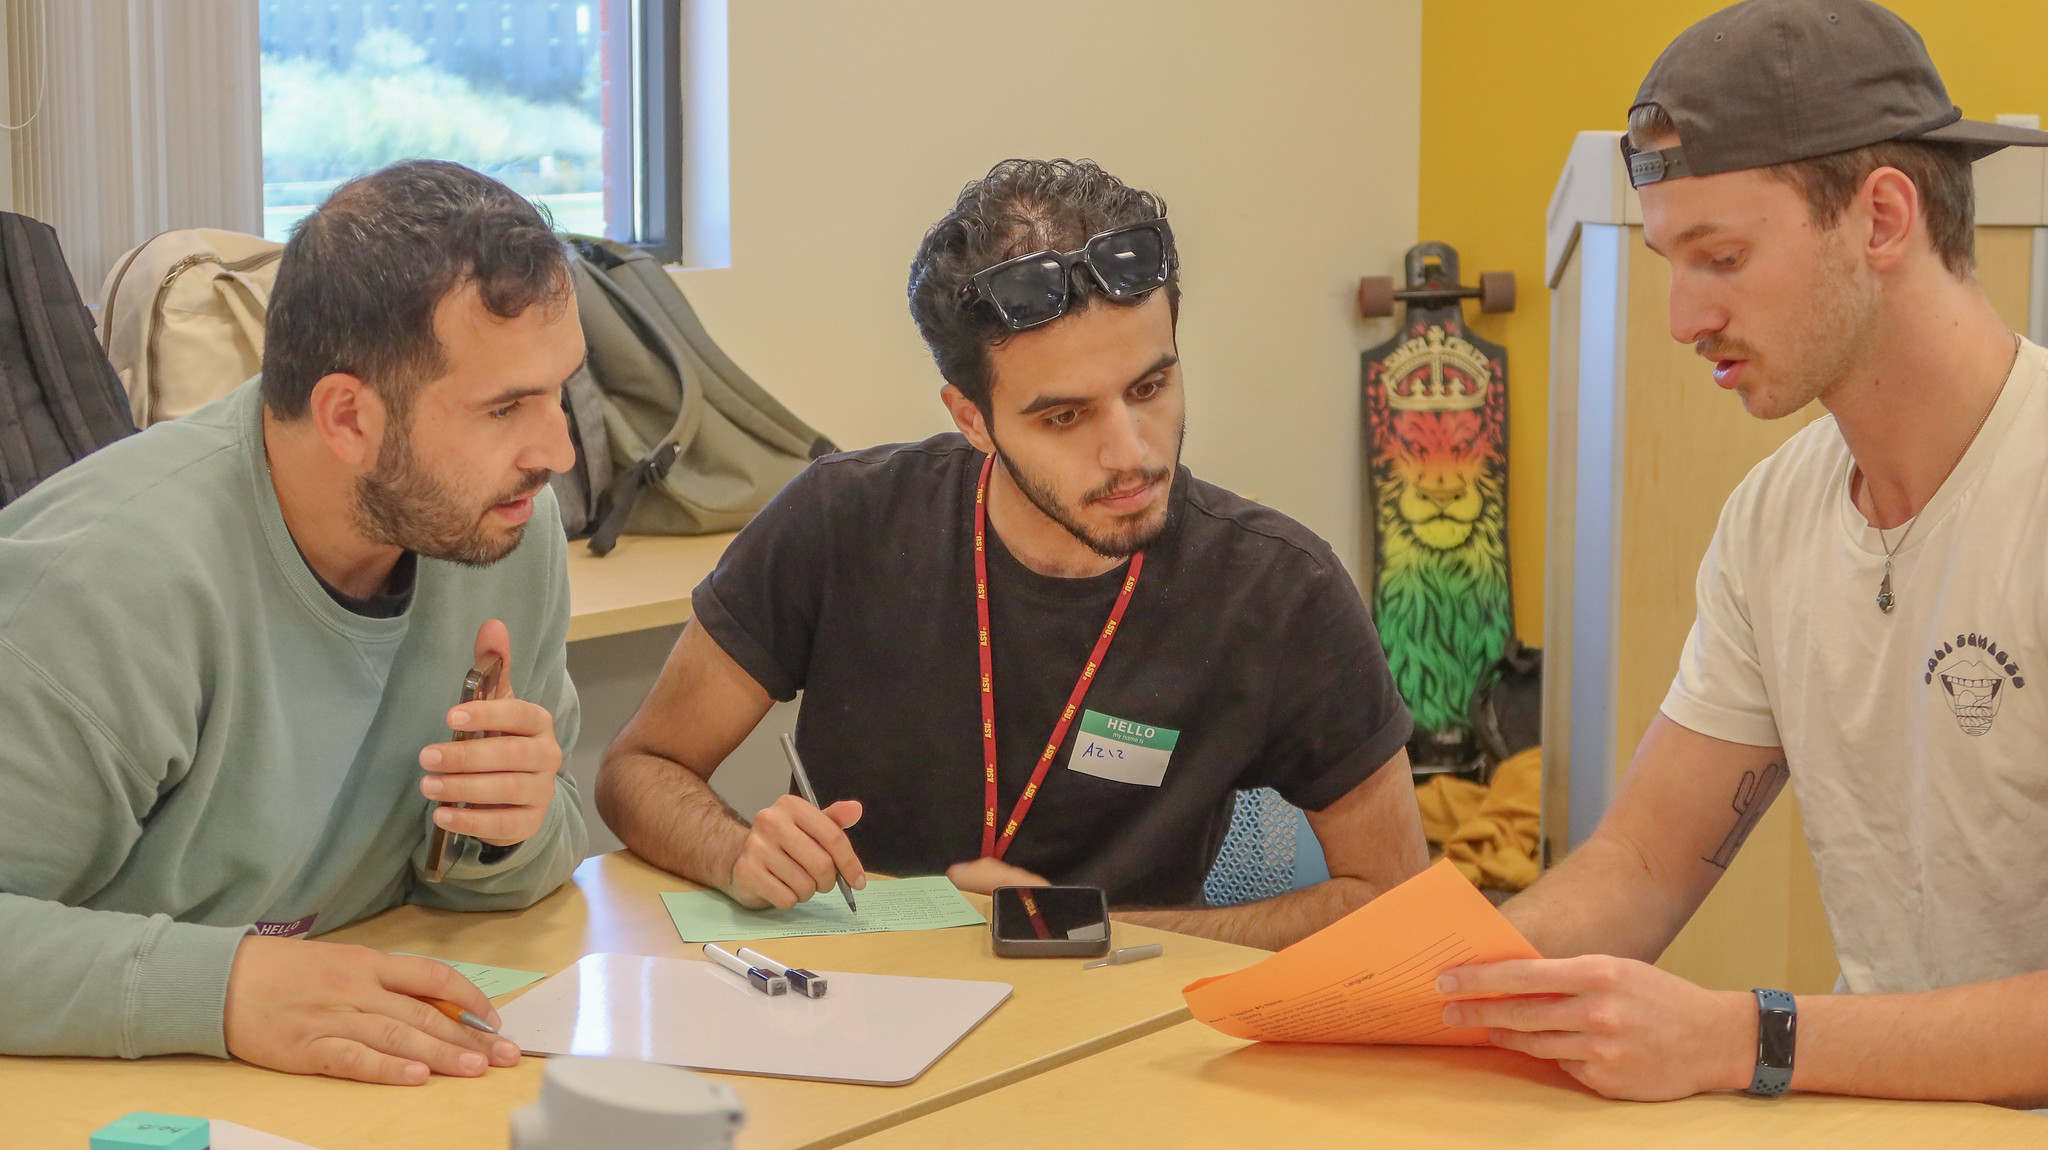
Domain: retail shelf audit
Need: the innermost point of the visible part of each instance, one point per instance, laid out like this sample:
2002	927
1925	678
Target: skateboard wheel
1496	291
1376	296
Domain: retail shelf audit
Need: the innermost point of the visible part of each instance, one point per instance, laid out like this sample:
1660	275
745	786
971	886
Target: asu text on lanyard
992	845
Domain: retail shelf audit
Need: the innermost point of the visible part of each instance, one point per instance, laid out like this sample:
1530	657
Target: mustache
1117	483
1723	347
533	479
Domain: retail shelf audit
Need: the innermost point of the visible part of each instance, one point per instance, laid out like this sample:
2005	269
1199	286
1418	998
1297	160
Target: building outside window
542	94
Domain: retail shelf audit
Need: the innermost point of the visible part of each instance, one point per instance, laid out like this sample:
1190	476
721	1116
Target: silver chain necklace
1886	600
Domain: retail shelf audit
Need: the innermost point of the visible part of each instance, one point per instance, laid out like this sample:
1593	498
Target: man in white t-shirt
1872	615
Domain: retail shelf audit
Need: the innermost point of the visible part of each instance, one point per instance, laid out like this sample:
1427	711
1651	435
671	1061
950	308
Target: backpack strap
585	401
581	490
626	493
690	415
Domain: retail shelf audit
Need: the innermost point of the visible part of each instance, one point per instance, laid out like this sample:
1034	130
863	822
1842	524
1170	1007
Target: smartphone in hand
443	847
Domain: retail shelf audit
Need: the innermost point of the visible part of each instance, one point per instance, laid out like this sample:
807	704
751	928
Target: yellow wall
1505	86
1283	138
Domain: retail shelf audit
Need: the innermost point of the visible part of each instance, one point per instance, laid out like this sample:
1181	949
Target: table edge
1002	1079
626	620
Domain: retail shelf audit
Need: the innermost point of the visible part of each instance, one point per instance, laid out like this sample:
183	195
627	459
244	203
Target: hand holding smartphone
481	683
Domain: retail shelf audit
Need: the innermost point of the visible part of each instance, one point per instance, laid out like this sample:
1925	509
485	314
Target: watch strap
1777	1019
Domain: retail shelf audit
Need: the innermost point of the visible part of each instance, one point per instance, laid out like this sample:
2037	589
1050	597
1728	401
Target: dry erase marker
803	783
455	1013
804	982
1127	954
761	980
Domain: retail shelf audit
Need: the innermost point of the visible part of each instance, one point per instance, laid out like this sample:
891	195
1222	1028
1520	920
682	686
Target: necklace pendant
1885	598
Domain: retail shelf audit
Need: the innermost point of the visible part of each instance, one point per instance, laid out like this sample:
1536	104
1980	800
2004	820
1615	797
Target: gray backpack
672	438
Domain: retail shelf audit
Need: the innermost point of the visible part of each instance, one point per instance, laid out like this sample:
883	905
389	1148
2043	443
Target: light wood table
1058	1014
645	582
1191	1087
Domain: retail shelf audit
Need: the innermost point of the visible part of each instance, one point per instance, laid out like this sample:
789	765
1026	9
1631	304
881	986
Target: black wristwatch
1777	1024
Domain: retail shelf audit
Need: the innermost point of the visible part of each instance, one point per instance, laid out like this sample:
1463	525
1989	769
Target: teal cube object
155	1132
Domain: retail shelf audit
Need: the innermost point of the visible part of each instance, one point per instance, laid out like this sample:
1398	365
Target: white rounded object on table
620	1104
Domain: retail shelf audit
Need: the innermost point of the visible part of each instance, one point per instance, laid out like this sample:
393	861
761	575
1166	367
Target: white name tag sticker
1119	749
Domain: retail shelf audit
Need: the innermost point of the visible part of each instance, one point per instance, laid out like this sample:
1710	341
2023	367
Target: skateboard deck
1435	404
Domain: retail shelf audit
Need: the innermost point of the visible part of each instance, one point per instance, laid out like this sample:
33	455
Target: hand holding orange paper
1369	977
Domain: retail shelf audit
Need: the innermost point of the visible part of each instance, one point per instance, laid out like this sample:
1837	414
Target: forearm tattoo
1753	796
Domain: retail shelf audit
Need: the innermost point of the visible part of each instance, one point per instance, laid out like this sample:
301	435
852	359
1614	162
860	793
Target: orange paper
1369	977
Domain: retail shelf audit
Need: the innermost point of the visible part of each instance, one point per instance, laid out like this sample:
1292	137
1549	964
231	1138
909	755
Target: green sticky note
492	980
930	903
154	1131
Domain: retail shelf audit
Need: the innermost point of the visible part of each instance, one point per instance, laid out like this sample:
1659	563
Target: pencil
803	784
455	1012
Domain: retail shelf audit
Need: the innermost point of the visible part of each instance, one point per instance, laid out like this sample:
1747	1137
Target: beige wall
1284	138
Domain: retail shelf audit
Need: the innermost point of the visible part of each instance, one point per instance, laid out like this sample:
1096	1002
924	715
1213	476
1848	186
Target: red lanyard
991	845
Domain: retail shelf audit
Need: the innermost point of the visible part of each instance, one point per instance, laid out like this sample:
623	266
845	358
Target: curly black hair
361	276
1021	206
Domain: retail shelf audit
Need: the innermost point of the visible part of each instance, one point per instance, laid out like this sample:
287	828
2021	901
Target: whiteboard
875	1029
228	1136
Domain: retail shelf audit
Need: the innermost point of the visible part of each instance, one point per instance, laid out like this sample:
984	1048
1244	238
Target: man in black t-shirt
1038	649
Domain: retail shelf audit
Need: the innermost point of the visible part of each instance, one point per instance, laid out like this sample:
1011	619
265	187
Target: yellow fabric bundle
1488	832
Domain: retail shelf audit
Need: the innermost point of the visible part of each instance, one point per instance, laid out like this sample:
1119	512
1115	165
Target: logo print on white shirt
1973	674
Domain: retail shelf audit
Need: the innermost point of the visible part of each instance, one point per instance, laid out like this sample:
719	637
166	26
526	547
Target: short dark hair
1942	173
1020	207
361	276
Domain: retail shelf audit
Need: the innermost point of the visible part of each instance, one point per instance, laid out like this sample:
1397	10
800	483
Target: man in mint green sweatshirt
231	650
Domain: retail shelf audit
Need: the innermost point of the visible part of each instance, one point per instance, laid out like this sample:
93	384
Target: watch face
1774	1040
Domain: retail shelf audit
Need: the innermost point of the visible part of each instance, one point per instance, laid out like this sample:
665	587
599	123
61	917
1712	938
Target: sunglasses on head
1035	289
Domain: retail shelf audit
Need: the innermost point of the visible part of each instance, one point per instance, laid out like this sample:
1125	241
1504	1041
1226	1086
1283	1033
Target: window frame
656	168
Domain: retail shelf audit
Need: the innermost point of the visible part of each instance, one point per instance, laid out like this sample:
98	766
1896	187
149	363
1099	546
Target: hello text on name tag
1119	749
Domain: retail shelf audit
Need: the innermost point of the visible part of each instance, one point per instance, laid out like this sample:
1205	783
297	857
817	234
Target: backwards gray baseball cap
1771	81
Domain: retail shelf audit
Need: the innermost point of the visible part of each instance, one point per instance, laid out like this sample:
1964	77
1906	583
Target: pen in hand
803	786
455	1013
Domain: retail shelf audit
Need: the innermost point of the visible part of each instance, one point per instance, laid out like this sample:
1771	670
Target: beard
401	503
1838	325
1130	534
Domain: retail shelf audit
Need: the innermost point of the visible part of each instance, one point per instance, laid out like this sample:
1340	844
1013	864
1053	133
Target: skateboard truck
1434	285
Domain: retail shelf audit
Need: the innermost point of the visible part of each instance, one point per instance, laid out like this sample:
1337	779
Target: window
573	103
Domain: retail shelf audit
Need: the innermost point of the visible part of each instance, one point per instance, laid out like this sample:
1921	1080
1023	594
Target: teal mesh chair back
1268	851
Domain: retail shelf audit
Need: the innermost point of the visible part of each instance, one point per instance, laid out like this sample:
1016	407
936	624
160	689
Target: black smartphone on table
1049	922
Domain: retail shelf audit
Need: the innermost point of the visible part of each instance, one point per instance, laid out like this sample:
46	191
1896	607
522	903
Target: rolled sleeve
1337	717
762	603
